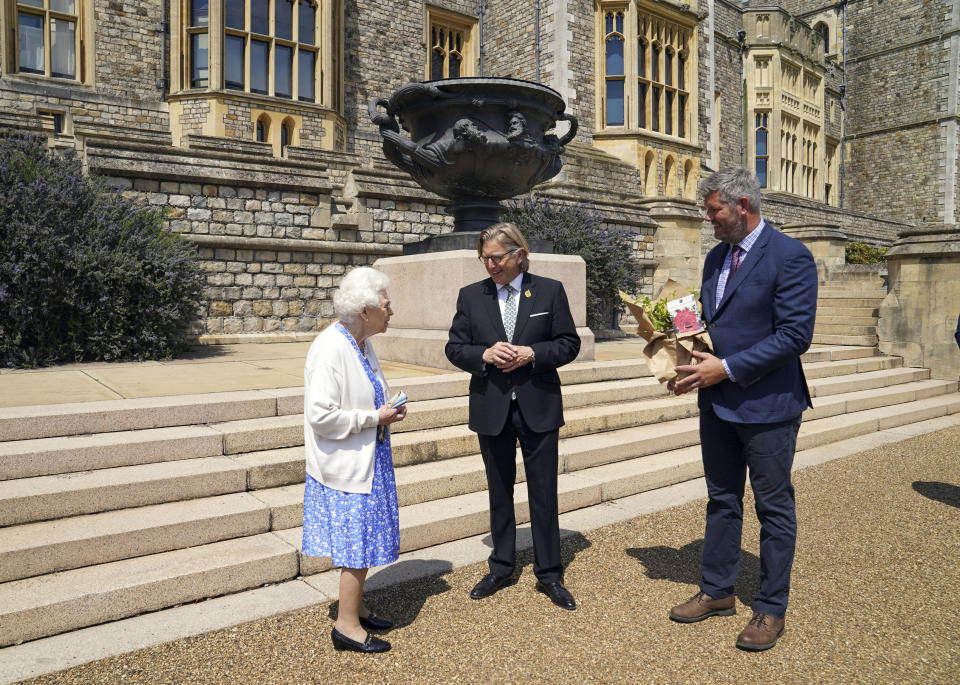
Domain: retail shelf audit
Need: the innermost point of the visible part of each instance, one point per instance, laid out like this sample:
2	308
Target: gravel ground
874	600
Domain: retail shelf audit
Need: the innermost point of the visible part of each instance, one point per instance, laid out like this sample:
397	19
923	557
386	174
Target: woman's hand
390	414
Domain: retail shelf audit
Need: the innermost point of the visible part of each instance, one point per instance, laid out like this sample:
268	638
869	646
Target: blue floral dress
355	530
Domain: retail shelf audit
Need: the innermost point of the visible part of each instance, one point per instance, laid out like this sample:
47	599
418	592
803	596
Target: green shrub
84	273
863	253
576	229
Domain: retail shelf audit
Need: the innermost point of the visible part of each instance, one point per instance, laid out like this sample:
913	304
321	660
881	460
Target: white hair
360	288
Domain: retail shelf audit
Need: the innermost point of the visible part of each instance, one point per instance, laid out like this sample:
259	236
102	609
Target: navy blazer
760	328
544	323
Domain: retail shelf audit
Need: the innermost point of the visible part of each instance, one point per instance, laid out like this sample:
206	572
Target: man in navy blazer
515	396
759	297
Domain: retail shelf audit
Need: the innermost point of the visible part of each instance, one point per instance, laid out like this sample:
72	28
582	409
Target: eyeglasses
496	259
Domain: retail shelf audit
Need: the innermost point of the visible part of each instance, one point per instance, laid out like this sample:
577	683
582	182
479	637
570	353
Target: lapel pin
527	294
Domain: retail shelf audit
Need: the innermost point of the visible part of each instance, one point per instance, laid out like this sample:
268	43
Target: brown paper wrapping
664	351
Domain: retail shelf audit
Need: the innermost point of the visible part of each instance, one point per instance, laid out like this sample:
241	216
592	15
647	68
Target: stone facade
276	227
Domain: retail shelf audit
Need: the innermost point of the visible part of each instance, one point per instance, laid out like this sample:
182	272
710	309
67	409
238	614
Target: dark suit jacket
544	323
761	327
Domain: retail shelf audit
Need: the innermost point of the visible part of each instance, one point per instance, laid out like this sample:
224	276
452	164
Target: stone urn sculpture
475	141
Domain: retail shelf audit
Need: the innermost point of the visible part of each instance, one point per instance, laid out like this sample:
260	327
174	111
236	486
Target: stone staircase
848	306
113	509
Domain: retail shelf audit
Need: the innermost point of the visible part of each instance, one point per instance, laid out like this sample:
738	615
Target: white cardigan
339	415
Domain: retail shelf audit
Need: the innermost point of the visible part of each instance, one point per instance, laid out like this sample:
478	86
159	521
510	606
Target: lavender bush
576	229
84	273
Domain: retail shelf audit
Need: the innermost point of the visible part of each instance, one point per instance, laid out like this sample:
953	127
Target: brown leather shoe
702	606
761	633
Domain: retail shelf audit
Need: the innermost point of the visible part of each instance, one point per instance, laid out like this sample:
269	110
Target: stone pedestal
423	292
676	244
919	315
826	242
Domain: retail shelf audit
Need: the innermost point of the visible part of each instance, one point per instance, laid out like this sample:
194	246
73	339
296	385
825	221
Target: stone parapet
919	314
676	246
419	329
200	166
825	241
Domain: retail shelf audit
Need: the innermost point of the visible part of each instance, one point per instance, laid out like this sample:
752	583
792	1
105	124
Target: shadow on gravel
398	592
683	566
571	544
941	492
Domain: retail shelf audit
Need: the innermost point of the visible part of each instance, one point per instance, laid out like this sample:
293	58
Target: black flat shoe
558	594
371	622
488	585
372	644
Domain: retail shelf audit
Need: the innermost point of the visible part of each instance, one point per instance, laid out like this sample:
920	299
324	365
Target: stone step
451	478
858	302
827	405
52	497
49	546
855	340
454	410
258	444
851	289
837	353
50	456
866	381
853	312
448	441
34	549
89	418
845	329
843	320
423	482
817	370
85	596
436	521
55	420
46	605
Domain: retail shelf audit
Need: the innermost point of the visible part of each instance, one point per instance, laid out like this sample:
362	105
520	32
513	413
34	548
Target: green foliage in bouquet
656	311
863	253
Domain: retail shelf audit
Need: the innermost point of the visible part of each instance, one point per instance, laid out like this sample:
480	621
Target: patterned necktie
735	260
510	312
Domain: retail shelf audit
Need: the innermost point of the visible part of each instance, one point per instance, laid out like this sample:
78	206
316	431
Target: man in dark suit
511	331
759	296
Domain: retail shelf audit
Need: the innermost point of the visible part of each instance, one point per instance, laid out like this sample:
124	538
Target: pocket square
538	314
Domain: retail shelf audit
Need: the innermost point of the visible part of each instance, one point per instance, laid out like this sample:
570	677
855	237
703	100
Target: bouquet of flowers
672	326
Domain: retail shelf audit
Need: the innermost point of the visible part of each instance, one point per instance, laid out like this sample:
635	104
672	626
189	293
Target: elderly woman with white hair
350	511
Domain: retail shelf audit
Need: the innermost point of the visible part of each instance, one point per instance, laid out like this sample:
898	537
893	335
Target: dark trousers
540	463
729	451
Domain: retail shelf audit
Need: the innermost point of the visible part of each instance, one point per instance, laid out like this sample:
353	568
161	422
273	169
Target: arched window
669	176
613	68
284	136
824	32
450	44
650	173
655	115
263	129
446	56
760	152
689	180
